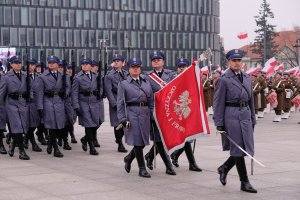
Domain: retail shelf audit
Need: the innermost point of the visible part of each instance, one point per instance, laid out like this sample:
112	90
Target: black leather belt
89	93
53	94
137	104
236	104
17	96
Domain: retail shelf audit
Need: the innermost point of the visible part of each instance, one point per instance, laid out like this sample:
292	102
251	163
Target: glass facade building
179	28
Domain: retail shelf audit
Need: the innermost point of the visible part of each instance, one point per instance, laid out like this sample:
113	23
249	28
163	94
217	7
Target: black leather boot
65	140
25	142
40	134
89	137
175	155
128	160
165	158
95	139
49	145
71	131
138	151
35	146
20	142
119	135
149	157
93	151
225	168
190	156
12	145
83	143
8	138
2	147
56	152
242	171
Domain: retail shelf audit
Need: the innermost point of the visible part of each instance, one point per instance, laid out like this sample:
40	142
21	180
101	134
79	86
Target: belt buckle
142	104
20	96
242	104
91	93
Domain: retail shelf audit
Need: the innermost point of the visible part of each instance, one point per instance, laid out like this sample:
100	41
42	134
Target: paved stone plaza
81	176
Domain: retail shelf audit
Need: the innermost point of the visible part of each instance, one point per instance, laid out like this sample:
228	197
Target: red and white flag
205	70
294	70
253	70
242	36
180	110
269	66
279	68
244	67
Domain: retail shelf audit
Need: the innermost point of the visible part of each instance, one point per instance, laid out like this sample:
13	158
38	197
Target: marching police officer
41	132
50	102
135	106
2	119
164	76
234	115
69	107
34	119
87	104
95	69
13	92
112	79
182	64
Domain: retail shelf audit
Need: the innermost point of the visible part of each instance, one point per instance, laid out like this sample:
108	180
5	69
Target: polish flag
269	66
205	70
279	67
242	36
294	70
244	67
253	70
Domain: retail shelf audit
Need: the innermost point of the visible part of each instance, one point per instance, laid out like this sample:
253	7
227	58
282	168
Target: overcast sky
238	16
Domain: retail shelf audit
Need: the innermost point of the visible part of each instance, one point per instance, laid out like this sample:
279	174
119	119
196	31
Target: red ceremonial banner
180	111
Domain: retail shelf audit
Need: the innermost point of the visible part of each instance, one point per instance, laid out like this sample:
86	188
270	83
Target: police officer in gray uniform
2	119
88	104
34	119
157	62
13	92
51	104
112	79
135	105
234	114
182	64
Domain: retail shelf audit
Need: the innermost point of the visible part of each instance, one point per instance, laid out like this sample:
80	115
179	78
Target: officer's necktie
121	74
89	75
19	75
240	77
137	81
54	75
159	74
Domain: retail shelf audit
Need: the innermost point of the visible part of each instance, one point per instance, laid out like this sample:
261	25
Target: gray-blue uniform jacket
16	107
167	76
130	92
2	106
71	115
238	121
112	79
34	118
84	97
52	105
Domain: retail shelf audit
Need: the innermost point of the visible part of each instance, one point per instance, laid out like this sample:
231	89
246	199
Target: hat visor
235	56
156	57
